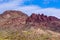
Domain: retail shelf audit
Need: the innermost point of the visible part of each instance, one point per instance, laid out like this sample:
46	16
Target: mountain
45	22
11	19
14	22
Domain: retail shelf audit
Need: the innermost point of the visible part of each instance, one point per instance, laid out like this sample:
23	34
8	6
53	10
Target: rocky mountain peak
40	18
17	19
16	25
12	18
12	13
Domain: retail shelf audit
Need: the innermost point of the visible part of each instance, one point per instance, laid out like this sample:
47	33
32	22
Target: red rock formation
52	18
10	13
19	20
43	21
12	19
40	18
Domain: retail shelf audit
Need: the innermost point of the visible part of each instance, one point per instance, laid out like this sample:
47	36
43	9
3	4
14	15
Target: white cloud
28	9
14	5
49	1
1	0
50	11
10	5
36	9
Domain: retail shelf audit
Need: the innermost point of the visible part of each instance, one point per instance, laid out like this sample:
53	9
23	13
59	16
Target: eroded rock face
12	14
41	18
17	20
12	19
43	21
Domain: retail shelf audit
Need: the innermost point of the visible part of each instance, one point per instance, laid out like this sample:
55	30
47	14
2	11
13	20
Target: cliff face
41	18
44	22
12	20
17	20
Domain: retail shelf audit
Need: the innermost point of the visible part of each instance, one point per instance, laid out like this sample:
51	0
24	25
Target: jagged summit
41	18
18	20
16	25
43	21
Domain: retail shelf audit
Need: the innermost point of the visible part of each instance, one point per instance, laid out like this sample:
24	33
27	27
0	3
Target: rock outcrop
41	18
43	21
17	20
12	19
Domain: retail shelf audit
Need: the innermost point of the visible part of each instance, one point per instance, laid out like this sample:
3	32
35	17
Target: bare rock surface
18	20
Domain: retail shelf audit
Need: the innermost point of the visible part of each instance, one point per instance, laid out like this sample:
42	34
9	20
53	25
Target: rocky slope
43	21
12	19
15	25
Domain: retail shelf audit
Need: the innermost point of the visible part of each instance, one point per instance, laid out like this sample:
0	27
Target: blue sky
44	3
48	7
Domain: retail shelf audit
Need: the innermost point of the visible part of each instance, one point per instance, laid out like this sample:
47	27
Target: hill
16	25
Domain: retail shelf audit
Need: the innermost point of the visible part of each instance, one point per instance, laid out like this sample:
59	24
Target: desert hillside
16	25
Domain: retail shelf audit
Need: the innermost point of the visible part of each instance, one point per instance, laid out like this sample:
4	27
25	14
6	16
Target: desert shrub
25	35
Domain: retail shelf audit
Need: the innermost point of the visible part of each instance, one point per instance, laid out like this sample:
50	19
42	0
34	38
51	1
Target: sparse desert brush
26	35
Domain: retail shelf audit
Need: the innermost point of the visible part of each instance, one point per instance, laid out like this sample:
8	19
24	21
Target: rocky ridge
18	20
43	21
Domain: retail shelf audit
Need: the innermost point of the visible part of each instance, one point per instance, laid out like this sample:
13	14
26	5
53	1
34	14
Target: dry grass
36	34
